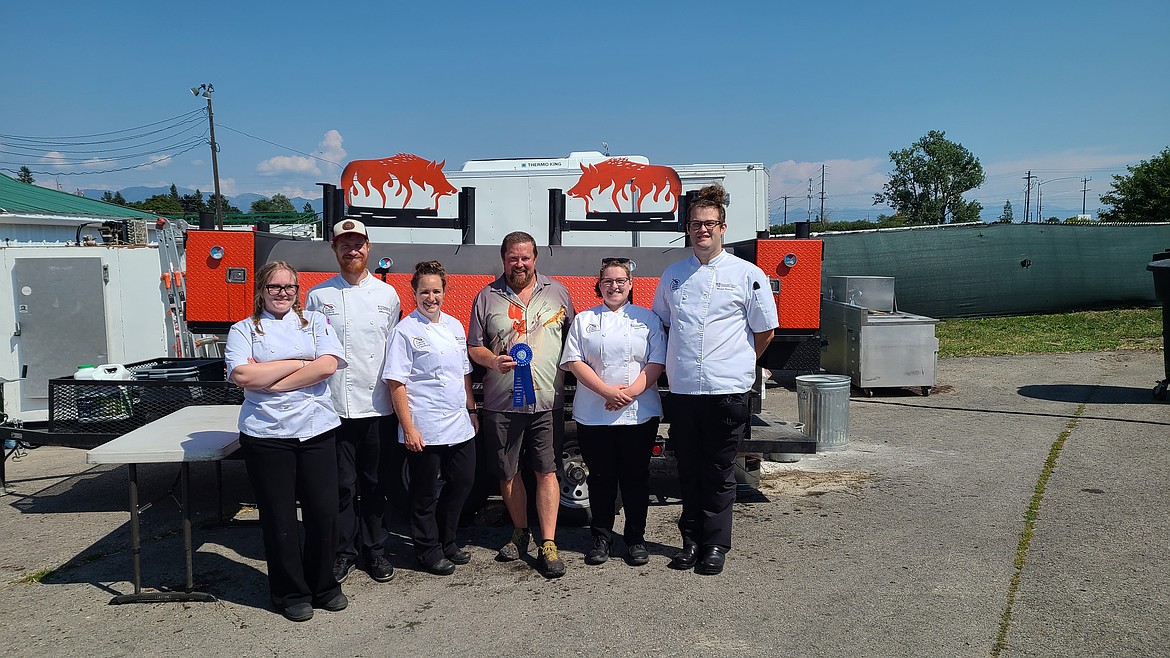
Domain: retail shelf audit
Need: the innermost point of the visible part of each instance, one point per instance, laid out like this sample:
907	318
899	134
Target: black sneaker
599	554
550	564
336	604
342	567
637	555
380	569
298	612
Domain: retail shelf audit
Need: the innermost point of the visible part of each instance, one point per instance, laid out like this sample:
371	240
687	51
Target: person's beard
355	265
519	281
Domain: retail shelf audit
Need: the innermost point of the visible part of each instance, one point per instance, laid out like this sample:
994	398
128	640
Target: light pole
1040	195
206	90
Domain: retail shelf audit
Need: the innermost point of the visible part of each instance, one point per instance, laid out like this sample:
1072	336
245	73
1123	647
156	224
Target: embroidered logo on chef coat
420	342
384	309
592	328
724	286
328	309
675	284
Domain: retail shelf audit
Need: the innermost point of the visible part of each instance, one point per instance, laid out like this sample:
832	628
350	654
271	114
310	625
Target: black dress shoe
686	558
460	557
443	567
712	562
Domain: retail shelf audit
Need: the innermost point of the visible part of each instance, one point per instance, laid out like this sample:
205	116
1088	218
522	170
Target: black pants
362	444
434	515
283	471
618	455
705	431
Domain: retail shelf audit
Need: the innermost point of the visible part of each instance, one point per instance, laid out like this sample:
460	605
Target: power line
113	132
307	155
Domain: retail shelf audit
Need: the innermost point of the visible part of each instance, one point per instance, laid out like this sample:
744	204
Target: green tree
308	209
160	204
174	192
193	203
119	199
929	179
1006	217
25	176
278	203
1143	195
228	208
108	196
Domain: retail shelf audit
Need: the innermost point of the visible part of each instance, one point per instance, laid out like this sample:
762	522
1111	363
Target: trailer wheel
573	479
1160	390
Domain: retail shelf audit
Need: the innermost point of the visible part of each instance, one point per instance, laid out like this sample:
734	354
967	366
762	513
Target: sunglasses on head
617	260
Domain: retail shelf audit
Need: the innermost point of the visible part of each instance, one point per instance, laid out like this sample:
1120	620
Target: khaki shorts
512	435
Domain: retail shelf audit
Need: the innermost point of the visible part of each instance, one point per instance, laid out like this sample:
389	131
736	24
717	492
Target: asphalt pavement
915	540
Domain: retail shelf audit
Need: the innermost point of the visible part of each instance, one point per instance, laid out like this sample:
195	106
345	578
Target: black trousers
434	513
705	431
618	455
362	443
283	471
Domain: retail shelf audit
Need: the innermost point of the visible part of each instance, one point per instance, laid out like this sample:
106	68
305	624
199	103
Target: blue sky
1064	89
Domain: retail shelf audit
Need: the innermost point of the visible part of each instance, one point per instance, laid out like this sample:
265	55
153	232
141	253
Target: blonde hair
263	276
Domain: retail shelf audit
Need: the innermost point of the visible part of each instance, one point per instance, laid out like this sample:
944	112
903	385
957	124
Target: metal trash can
822	404
1160	267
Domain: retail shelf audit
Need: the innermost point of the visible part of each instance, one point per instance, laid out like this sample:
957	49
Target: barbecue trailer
579	209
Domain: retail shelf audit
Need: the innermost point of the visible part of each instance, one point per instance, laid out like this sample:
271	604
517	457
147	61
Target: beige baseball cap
349	226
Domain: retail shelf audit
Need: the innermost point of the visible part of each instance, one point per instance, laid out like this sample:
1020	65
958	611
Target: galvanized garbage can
822	404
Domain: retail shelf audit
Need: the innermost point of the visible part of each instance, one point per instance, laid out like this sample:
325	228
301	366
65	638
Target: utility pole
822	217
1028	194
1084	192
810	199
786	198
206	90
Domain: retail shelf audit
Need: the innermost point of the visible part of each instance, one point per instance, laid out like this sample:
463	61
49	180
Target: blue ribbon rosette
522	391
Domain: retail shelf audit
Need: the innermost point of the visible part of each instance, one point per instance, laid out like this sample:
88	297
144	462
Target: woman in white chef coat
616	350
429	376
283	357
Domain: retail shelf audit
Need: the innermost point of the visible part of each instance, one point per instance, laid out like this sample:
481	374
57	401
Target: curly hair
426	268
712	196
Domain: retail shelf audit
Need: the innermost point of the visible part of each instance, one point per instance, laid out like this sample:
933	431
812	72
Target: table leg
135	547
135	538
185	497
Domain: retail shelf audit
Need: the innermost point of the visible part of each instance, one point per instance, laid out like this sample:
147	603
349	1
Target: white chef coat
300	414
430	359
363	316
617	345
713	312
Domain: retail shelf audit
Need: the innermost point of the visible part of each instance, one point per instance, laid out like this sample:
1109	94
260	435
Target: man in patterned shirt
523	308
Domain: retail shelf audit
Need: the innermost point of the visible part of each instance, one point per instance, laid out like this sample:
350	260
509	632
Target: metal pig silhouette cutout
400	173
656	181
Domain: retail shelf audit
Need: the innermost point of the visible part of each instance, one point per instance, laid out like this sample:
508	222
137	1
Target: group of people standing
322	382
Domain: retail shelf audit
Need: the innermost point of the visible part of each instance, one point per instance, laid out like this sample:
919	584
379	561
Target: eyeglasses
619	282
290	289
710	225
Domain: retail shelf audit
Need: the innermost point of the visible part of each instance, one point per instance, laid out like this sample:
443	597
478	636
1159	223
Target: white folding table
191	434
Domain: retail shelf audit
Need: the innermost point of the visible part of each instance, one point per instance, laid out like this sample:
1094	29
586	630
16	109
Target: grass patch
1085	331
37	576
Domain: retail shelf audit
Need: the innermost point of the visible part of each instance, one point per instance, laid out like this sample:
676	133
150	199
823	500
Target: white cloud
288	164
849	181
157	162
329	148
54	158
197	163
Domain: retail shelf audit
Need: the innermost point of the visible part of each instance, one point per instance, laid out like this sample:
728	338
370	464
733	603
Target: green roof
18	197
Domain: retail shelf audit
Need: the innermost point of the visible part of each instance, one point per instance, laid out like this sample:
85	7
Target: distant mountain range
241	201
